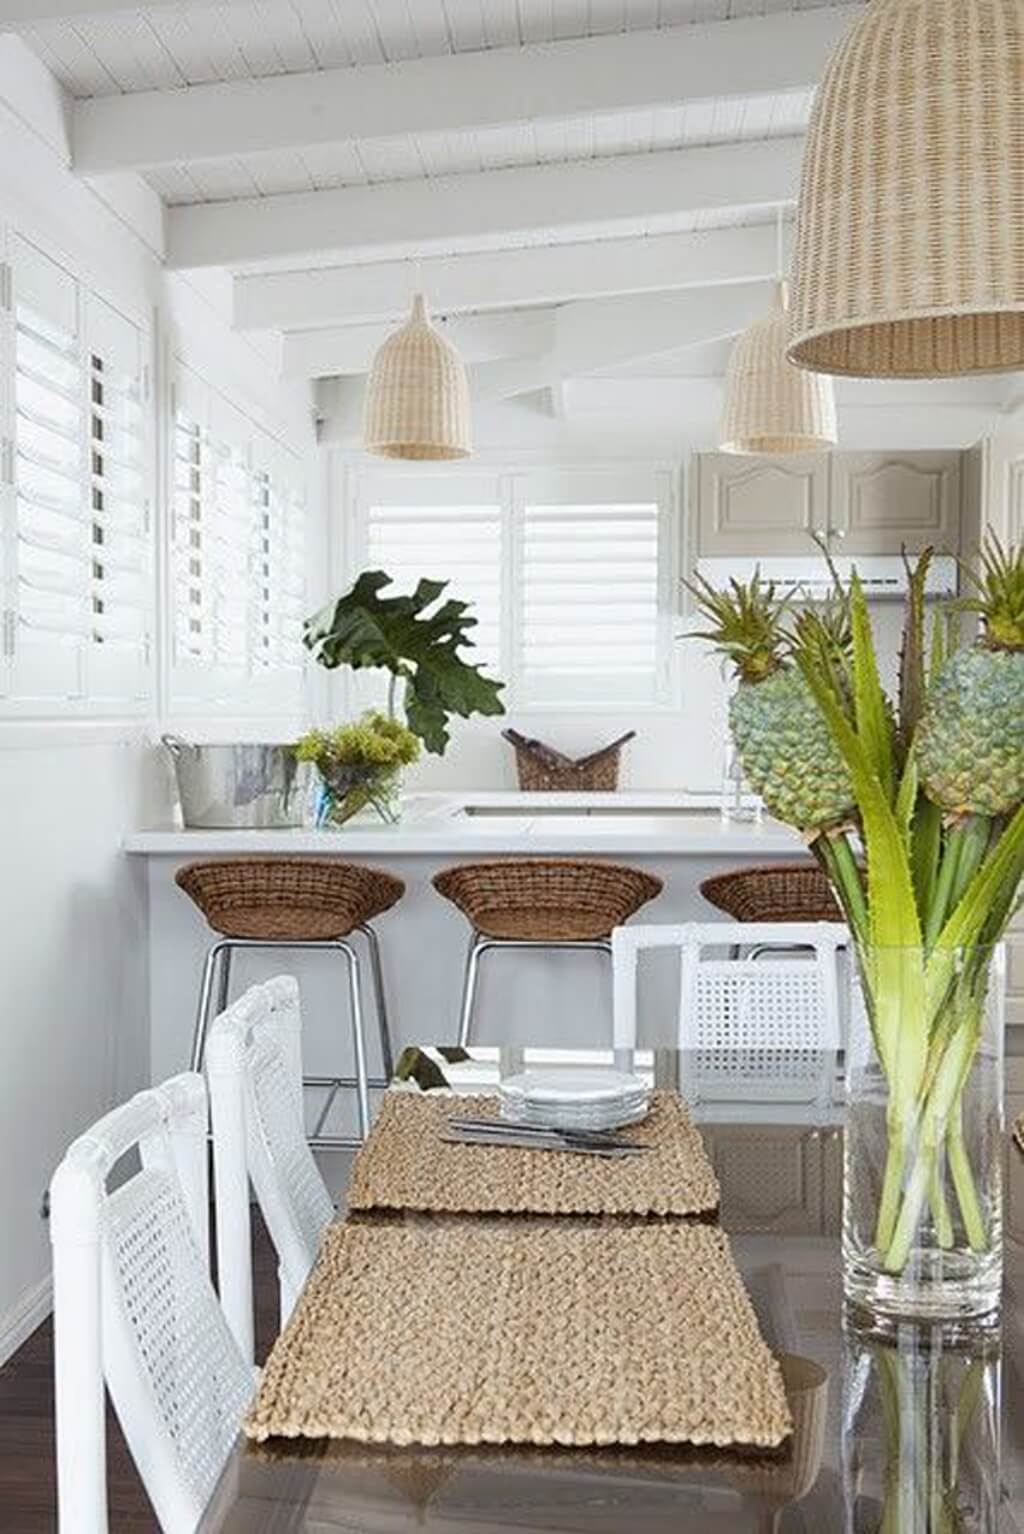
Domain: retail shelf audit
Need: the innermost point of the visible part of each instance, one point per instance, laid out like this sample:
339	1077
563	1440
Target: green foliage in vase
374	740
787	752
970	744
934	787
418	642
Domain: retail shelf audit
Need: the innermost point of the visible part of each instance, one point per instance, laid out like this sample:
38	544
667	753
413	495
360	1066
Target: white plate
573	1087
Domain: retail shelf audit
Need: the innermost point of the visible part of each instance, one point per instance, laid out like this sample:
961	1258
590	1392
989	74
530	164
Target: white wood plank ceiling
513	155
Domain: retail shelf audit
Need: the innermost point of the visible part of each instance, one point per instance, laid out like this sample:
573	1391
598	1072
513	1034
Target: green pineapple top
1000	599
747	624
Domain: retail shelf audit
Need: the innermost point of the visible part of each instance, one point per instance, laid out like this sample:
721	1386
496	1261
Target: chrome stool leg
217	951
478	945
358	1037
383	1027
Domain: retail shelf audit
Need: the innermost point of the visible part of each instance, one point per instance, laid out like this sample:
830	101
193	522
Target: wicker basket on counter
542	769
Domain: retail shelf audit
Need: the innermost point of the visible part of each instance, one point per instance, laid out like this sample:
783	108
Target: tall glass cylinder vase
922	1195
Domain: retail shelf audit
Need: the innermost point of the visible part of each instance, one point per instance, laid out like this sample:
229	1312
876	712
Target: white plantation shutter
119	522
49	579
239	558
412	534
591	581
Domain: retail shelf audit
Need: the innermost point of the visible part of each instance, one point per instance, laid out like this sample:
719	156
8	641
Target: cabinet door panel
760	506
882	502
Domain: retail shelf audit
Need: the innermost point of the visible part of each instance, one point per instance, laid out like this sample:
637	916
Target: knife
599	1137
553	1142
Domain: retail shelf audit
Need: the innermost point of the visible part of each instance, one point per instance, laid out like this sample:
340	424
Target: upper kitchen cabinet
760	505
881	503
863	503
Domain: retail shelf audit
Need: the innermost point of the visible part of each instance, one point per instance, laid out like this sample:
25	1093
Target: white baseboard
18	1323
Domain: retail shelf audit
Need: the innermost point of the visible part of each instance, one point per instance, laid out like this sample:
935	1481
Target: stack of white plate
575	1099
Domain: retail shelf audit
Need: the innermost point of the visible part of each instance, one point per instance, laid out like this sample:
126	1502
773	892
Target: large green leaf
412	638
874	725
912	650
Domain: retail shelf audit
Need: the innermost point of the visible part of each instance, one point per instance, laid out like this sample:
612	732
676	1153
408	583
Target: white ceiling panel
140	49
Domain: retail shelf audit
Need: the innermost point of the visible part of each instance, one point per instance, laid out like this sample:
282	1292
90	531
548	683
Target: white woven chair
254	1067
764	1024
133	1305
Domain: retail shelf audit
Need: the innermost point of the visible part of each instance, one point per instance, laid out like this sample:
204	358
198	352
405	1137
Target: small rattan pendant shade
417	395
909	259
771	406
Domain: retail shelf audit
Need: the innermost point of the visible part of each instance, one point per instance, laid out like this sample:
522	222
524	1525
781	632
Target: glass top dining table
904	1429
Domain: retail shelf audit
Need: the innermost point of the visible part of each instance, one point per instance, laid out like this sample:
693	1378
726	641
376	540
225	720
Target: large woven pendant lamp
771	406
417	395
909	257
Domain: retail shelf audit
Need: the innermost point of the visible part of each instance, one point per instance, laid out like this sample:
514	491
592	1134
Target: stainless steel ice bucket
255	786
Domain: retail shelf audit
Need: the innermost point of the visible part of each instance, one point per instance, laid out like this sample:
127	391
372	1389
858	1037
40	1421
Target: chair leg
383	1027
476	947
214	953
224	983
358	1037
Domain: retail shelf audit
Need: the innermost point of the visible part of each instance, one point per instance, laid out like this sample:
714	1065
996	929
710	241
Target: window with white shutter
570	574
49	564
239	560
590	583
450	531
78	572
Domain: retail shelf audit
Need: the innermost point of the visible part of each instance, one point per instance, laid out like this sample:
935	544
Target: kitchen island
679	837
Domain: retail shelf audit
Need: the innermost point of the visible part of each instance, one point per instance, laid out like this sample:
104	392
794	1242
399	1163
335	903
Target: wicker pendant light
417	395
909	255
771	406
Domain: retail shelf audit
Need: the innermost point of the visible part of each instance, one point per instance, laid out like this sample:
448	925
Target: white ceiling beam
417	216
609	332
20	15
350	348
500	279
461	93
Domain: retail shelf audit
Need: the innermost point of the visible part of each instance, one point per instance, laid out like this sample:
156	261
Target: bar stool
540	903
296	903
774	892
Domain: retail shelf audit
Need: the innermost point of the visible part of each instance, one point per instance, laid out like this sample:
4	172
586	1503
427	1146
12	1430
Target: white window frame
512	489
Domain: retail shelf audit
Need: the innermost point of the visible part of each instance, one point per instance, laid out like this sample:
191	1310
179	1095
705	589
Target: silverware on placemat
494	1132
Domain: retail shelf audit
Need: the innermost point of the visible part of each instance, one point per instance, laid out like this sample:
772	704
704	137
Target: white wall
74	1037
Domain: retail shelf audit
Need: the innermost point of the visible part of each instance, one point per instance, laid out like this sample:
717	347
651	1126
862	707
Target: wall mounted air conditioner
883	576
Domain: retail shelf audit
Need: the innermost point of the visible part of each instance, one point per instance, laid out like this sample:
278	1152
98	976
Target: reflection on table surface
907	1430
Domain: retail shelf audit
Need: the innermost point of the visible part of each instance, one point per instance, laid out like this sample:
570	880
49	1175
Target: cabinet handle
838	532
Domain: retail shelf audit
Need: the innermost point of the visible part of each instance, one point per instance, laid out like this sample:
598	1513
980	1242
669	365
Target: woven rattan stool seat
546	899
797	892
305	900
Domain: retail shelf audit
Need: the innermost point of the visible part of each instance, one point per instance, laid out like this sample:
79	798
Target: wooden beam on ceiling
417	216
459	93
502	279
340	349
21	15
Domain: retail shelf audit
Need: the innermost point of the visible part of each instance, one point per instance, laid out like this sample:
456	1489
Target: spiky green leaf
874	726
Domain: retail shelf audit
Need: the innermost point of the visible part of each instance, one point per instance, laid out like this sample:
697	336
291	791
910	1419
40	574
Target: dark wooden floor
28	1491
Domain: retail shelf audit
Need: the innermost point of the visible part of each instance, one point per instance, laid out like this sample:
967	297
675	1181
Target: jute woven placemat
444	1331
406	1165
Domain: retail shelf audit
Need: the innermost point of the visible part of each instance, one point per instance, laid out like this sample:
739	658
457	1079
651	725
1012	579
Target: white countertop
469	822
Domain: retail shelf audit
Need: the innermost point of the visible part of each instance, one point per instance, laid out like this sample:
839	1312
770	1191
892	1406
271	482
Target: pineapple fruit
970	741
783	741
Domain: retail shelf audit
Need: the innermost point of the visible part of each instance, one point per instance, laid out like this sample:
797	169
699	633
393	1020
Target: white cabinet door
760	505
883	502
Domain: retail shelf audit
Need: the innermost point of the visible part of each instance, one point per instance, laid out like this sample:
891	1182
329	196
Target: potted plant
931	784
360	765
418	642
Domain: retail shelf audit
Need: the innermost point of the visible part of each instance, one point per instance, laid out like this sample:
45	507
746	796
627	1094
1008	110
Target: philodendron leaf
412	638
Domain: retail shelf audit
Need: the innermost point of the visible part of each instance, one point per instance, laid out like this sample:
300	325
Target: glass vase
345	791
923	1160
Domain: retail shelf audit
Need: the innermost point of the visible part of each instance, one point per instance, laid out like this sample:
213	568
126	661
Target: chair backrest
768	1008
253	1063
134	1305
